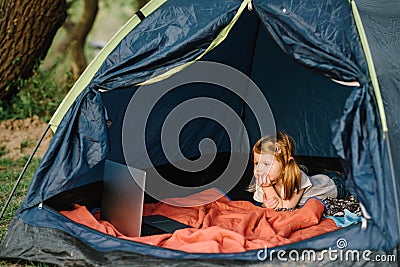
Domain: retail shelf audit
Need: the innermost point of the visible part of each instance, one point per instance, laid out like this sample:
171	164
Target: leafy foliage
39	95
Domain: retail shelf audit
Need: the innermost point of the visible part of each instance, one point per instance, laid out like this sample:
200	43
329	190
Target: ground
19	137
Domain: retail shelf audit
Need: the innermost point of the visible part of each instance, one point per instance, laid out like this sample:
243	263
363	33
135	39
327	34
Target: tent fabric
79	144
184	31
381	22
370	175
341	121
315	40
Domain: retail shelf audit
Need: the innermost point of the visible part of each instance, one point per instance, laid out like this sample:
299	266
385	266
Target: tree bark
28	29
141	3
80	32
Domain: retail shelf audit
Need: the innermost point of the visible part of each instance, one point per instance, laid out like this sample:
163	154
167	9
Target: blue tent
329	71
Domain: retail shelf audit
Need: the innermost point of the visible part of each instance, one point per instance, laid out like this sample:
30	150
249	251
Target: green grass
3	150
9	172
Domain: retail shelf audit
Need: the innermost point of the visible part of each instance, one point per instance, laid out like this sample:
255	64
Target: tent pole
23	171
370	65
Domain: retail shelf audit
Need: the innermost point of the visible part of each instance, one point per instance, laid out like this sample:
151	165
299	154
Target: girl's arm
274	201
293	201
271	198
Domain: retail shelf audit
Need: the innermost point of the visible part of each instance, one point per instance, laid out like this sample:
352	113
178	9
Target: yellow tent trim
370	63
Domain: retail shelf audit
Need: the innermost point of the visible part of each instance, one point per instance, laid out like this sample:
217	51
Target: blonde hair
283	148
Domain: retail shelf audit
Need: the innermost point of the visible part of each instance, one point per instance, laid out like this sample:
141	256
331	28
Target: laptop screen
123	195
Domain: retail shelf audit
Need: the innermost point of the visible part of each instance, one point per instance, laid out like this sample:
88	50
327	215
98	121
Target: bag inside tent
306	97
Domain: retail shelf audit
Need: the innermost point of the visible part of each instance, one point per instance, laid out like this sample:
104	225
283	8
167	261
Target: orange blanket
223	226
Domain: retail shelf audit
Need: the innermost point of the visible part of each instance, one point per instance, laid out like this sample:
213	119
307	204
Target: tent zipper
249	5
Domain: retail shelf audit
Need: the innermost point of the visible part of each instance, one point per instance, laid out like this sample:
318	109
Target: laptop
122	203
159	224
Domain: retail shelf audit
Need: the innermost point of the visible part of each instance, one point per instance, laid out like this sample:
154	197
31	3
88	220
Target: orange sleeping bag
222	226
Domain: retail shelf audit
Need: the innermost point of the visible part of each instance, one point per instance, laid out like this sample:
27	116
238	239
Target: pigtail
290	169
291	178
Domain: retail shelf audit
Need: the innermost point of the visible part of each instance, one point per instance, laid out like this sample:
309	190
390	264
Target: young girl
280	183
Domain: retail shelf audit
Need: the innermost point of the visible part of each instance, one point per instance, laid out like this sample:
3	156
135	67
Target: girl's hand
265	182
261	180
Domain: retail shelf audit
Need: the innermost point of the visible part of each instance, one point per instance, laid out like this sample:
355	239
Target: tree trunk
28	29
80	32
141	3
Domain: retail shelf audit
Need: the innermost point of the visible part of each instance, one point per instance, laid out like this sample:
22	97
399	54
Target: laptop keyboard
150	230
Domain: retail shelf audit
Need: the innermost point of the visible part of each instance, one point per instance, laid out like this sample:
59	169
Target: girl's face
265	166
